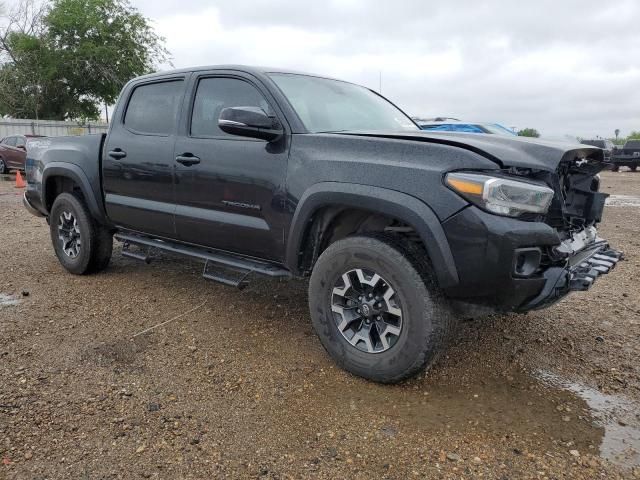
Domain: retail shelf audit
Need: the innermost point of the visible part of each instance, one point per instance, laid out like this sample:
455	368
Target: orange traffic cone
20	183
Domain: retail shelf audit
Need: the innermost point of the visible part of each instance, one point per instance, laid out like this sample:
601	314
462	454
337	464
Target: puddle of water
618	415
517	406
623	201
8	300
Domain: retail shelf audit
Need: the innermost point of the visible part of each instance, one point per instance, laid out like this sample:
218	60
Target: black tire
3	167
615	168
634	167
427	319
96	242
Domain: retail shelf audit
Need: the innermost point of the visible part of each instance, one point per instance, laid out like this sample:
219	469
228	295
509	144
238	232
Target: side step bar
241	266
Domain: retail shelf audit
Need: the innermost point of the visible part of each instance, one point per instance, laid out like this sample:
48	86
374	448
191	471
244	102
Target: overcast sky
561	66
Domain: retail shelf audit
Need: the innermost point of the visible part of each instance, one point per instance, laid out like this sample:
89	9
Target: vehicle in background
442	124
13	152
606	145
627	156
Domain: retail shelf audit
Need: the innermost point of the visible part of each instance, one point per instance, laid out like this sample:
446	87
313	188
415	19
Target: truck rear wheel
615	168
634	167
81	245
377	309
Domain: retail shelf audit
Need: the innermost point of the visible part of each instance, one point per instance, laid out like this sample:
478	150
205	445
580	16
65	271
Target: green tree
634	135
69	57
529	132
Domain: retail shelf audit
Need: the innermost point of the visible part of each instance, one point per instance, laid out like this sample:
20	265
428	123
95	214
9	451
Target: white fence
49	128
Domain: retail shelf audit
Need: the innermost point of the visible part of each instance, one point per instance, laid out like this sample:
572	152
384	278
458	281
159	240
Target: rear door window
20	142
153	108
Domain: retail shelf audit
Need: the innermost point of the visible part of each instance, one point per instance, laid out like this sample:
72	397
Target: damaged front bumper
579	274
507	265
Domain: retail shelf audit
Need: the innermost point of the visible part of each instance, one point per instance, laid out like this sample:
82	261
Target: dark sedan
13	152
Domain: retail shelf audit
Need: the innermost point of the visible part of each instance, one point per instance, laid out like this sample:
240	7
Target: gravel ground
237	385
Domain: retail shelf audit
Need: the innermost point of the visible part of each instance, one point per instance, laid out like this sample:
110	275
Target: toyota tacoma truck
278	173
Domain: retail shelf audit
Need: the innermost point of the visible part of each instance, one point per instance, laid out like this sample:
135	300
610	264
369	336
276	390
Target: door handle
187	159
117	153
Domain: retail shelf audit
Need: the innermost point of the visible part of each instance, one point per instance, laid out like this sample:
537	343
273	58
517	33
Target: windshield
326	105
499	129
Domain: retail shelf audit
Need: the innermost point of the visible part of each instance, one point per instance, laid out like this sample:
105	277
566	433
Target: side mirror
250	122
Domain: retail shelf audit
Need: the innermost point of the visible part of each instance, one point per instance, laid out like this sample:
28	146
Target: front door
229	189
138	160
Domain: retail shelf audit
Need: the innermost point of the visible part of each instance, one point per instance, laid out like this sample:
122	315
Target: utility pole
106	111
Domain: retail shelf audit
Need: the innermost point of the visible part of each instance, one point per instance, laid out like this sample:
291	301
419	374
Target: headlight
501	195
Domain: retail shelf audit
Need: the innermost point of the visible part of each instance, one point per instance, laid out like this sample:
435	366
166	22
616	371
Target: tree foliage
66	58
634	135
528	132
621	140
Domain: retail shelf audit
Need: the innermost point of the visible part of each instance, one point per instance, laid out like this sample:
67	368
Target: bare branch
24	18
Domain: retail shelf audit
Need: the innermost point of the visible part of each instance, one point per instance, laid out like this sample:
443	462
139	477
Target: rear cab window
153	108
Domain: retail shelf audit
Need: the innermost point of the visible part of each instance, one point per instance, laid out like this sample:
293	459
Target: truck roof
256	70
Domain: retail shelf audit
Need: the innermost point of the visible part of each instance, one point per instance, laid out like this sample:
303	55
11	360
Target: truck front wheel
377	309
81	244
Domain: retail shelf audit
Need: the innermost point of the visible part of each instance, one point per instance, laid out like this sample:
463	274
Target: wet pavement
624	200
619	416
8	300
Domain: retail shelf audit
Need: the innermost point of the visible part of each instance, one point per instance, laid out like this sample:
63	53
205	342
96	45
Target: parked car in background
627	156
13	152
442	124
606	145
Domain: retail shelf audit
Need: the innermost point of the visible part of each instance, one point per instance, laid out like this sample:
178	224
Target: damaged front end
544	247
577	207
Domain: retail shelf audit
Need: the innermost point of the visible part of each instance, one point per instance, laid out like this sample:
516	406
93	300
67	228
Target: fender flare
381	200
75	173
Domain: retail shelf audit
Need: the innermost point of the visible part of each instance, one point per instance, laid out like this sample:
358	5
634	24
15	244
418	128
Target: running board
242	266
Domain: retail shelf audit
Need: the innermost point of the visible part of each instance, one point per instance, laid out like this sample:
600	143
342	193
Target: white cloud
561	67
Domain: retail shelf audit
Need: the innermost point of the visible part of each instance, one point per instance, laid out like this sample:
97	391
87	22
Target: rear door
232	196
138	160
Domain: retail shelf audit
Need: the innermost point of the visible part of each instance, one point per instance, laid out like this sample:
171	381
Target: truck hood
505	151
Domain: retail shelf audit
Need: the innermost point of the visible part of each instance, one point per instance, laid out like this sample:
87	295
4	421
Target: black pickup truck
264	171
627	156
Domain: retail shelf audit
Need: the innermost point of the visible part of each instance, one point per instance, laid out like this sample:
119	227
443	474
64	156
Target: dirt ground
238	386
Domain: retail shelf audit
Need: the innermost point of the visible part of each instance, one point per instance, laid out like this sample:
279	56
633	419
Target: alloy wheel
366	310
69	234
